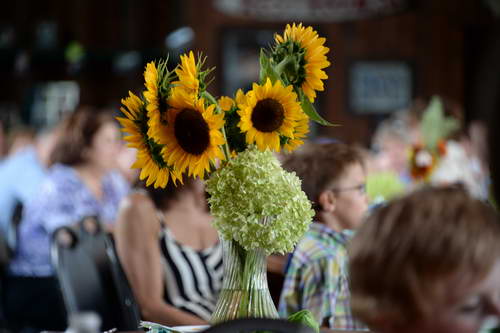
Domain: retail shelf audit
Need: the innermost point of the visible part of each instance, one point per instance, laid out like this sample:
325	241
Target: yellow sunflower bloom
155	174
133	107
151	82
240	97
269	111
225	103
135	125
299	133
155	104
188	74
314	57
193	137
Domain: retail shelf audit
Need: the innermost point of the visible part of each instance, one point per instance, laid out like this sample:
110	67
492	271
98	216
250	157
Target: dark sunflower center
268	115
191	131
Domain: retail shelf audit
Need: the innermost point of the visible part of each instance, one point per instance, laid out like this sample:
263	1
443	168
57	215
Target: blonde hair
407	252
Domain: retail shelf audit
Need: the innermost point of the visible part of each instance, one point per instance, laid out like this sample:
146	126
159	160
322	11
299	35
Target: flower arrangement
277	199
179	129
436	127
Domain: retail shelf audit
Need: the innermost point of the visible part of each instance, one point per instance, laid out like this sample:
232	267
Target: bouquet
179	129
435	127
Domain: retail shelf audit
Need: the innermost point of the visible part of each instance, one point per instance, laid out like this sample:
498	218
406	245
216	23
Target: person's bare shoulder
137	212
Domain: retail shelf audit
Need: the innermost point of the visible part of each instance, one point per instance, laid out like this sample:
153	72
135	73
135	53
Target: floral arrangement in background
435	127
179	128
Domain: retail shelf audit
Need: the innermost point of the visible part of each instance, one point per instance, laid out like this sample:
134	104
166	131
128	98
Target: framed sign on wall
380	86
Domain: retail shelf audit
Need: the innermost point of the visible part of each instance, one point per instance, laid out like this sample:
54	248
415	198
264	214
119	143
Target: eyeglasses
361	188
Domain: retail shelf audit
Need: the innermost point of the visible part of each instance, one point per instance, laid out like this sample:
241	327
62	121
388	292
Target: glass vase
245	292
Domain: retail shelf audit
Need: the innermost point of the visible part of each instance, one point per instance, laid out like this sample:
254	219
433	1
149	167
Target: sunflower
240	97
148	158
156	174
151	83
226	103
187	72
310	47
193	137
300	131
133	112
157	80
268	112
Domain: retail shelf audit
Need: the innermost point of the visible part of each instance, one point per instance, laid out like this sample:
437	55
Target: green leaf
304	317
266	69
435	125
312	113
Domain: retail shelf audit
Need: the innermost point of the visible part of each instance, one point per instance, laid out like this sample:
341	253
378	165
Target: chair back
90	276
4	261
13	227
5	253
253	324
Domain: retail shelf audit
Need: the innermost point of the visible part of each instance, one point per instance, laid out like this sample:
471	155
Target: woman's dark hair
77	133
162	197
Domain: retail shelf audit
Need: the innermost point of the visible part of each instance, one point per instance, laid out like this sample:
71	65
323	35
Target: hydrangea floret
258	204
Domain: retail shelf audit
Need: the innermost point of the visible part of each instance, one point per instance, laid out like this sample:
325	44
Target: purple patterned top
63	199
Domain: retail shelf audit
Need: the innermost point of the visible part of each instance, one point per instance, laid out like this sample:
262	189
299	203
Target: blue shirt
20	178
63	199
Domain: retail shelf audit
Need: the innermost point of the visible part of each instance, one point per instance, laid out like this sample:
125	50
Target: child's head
427	262
333	178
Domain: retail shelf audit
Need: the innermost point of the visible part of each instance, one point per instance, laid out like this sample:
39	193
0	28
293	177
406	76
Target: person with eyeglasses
333	177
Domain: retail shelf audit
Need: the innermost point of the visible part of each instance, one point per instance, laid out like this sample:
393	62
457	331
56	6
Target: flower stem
279	68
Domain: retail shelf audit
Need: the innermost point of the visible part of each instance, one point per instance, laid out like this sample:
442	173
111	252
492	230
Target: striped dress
193	278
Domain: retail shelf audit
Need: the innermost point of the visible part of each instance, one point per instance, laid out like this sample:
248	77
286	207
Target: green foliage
385	185
311	112
435	125
304	317
235	138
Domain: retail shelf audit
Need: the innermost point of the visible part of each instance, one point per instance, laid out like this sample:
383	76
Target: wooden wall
433	35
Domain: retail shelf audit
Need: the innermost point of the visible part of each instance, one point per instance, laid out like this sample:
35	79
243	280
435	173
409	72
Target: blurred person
427	262
22	172
475	144
20	138
170	252
126	157
2	141
459	166
81	182
391	143
333	178
381	183
478	135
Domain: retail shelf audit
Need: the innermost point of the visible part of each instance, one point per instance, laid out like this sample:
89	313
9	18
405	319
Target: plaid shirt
316	279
